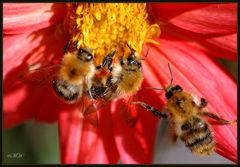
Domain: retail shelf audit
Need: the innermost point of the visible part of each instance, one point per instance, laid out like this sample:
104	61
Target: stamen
110	25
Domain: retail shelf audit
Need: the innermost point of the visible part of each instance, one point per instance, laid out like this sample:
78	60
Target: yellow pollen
106	26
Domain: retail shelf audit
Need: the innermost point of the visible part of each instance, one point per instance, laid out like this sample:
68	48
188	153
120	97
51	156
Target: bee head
131	60
171	90
84	55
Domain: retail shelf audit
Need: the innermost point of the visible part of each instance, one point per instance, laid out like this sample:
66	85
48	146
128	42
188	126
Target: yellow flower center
105	26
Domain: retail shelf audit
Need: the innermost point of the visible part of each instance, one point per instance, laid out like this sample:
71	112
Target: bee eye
169	94
80	51
131	62
84	55
130	59
178	88
89	57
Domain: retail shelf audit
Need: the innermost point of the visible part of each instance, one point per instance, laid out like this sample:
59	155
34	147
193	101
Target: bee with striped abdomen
187	119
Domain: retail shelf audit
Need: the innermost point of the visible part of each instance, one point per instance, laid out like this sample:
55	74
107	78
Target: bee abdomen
68	92
198	137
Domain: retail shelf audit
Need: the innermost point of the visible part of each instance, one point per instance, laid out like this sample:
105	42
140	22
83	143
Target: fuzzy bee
125	77
70	79
75	75
124	81
187	119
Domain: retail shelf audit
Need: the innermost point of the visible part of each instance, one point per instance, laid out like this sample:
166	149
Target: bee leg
107	61
76	45
89	87
66	46
217	118
110	65
172	131
98	67
154	111
121	60
110	56
203	103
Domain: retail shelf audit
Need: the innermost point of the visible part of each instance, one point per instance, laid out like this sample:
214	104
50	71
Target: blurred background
32	143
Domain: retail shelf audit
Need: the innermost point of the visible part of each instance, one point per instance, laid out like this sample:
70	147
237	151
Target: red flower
192	37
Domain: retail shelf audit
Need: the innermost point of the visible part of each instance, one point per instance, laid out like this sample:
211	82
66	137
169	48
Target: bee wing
90	110
92	119
172	129
129	111
39	76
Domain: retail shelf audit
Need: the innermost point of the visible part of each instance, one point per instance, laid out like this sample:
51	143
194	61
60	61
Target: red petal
228	42
162	10
212	19
70	130
22	17
20	100
83	143
202	76
135	145
213	46
32	48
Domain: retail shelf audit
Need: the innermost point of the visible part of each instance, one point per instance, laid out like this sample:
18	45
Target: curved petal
28	17
70	130
220	46
211	19
203	77
135	144
228	42
81	142
20	99
166	11
32	48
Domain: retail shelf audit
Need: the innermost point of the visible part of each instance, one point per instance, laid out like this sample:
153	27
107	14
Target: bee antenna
130	48
112	53
145	55
170	73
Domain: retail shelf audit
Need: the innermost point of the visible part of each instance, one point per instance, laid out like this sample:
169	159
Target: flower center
105	26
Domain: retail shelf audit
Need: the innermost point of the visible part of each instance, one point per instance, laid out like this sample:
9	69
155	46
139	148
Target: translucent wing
39	76
129	111
90	110
173	131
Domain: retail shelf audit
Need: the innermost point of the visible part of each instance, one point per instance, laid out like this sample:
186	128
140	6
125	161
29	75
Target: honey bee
124	81
186	119
70	79
126	76
75	75
100	83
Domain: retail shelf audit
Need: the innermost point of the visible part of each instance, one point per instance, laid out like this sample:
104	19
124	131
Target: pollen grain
105	26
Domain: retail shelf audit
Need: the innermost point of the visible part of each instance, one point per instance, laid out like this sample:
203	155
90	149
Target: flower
192	37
